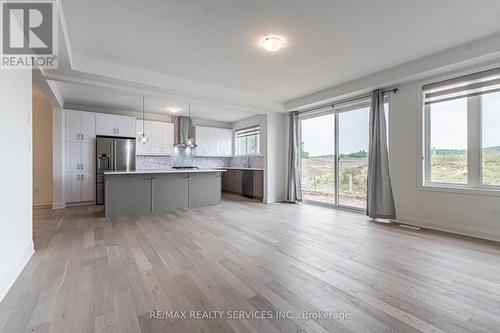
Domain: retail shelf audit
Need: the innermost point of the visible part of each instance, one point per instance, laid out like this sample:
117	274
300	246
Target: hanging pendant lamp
143	137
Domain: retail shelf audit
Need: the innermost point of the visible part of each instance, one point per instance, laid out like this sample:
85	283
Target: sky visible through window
318	133
449	123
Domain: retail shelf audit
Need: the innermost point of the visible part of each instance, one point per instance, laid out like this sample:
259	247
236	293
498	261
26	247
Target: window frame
474	143
258	153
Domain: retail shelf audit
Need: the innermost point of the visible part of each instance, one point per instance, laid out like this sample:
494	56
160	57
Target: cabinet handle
78	177
118	130
82	136
83	178
81	166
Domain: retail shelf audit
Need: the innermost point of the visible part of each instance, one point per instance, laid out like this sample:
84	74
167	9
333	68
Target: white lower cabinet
80	187
87	188
73	186
161	138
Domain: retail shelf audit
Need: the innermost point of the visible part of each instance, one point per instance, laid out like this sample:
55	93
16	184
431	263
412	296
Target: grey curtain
380	198
294	193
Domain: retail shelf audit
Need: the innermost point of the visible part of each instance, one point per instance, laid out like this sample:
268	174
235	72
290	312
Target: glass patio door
353	157
318	158
335	156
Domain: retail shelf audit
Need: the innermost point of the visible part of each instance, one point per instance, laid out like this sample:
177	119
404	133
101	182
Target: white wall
16	240
462	213
57	159
277	155
42	148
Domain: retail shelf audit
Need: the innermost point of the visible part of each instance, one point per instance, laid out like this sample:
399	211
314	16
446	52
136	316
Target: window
247	141
448	141
461	131
334	163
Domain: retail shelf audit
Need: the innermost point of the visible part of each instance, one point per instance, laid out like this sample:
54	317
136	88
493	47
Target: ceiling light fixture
173	109
272	43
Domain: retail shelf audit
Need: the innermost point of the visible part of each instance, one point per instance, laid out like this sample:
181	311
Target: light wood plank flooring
93	274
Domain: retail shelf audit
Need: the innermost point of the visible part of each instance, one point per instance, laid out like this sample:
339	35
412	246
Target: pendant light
143	137
190	141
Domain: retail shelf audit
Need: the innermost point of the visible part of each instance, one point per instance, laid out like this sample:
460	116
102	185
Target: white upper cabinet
80	134
105	124
161	138
112	125
126	126
79	126
72	125
87	127
212	141
224	141
168	138
156	138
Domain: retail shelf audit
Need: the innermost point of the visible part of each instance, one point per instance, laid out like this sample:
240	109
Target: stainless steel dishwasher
247	183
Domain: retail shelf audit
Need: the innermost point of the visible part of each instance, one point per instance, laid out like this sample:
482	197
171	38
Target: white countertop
158	171
236	168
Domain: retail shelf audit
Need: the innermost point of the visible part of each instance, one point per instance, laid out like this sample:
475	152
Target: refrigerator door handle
111	162
114	155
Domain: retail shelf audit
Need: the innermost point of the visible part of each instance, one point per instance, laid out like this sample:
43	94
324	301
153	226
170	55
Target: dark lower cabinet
127	195
232	181
131	194
170	192
258	184
204	189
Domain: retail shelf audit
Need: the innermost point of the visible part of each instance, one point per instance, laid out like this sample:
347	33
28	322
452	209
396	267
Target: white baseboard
15	270
450	227
58	205
41	204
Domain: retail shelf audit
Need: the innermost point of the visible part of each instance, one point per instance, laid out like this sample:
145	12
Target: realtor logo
29	34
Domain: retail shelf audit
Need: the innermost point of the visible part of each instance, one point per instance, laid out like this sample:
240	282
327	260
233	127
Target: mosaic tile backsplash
166	162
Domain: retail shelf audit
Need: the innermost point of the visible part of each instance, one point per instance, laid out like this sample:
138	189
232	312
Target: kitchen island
152	191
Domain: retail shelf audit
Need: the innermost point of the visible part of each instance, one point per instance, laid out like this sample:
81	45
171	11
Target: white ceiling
116	100
329	42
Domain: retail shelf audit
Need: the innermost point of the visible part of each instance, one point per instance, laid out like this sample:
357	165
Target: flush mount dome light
272	43
173	109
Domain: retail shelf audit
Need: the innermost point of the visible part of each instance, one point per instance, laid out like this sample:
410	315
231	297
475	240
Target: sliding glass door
335	156
353	157
318	158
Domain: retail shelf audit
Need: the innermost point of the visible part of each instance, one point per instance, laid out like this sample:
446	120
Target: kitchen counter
236	168
160	171
155	191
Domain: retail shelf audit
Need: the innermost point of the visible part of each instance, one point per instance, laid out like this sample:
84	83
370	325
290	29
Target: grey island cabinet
153	191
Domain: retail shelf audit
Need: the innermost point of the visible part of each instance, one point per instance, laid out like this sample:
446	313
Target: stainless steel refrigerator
113	154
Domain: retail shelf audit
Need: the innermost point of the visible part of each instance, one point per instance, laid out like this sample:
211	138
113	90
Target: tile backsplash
165	162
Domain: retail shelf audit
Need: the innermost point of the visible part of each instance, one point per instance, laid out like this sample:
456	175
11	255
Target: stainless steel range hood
184	138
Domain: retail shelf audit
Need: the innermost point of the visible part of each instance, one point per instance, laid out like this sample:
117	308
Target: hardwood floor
93	274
